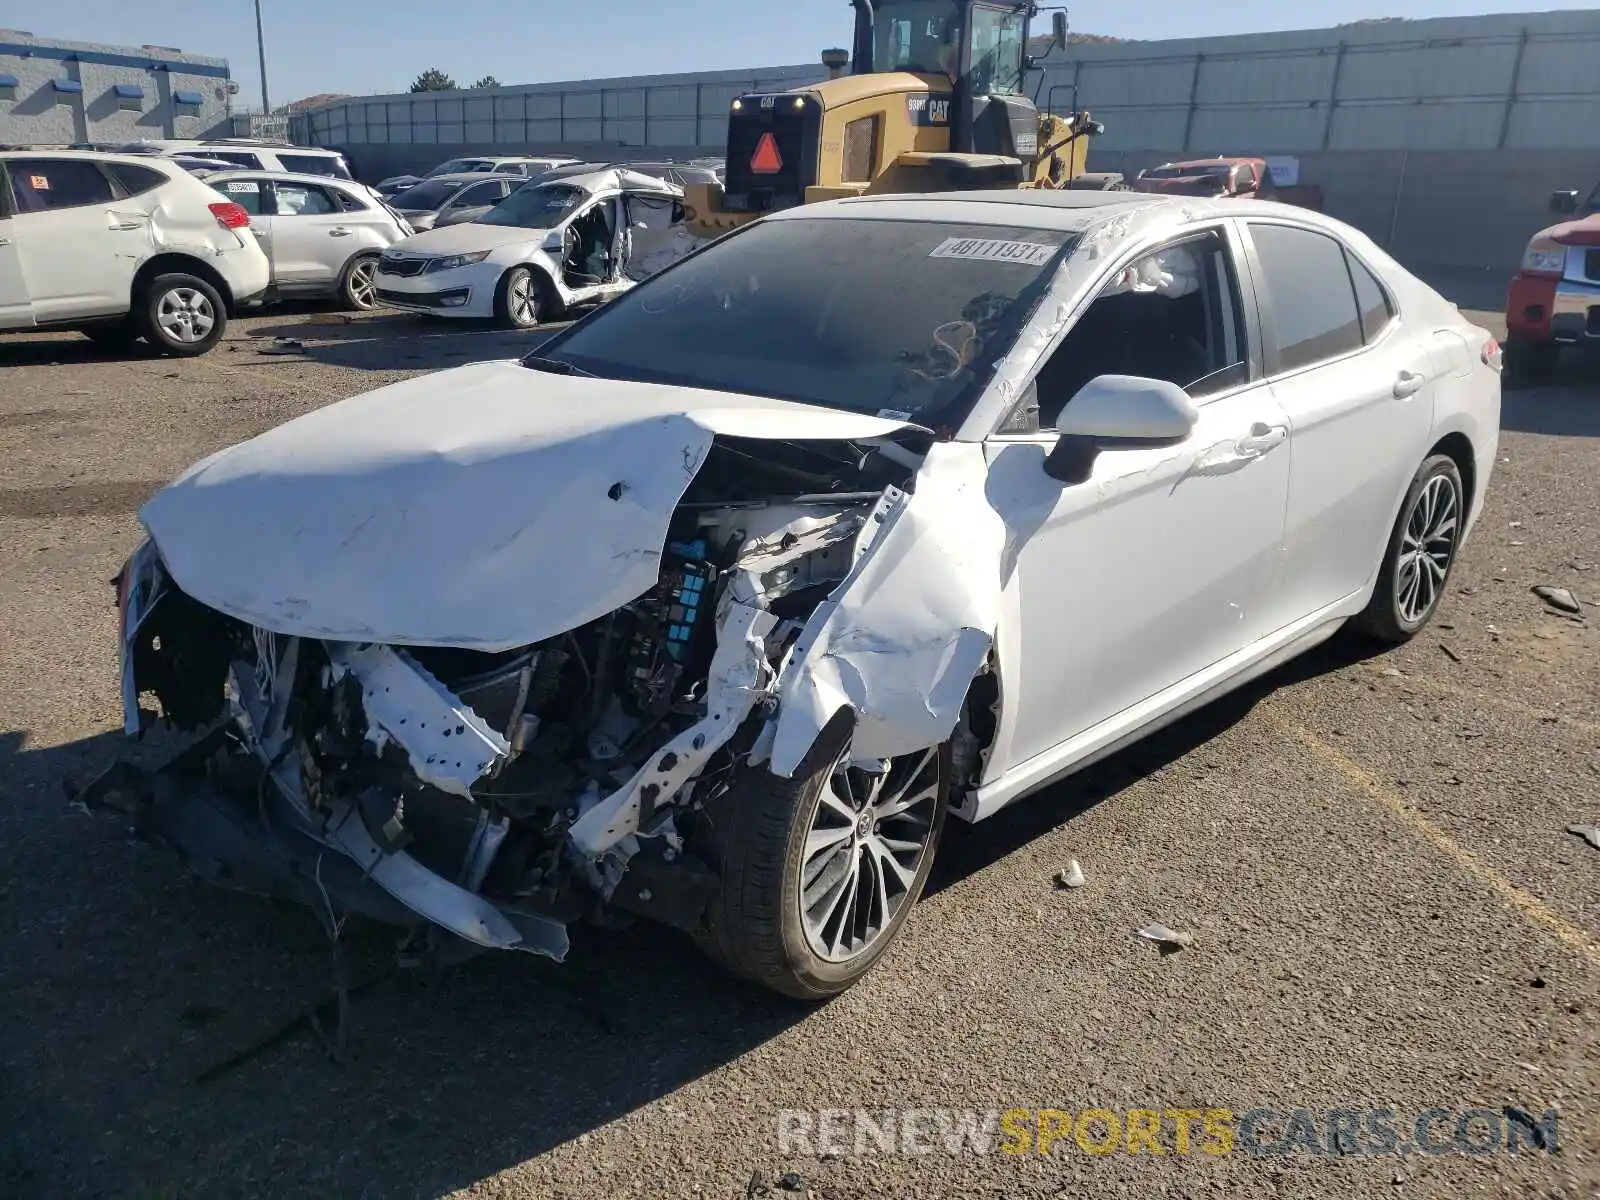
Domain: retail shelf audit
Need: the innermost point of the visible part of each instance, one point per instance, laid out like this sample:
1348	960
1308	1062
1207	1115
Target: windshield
459	166
866	315
1190	171
918	36
998	37
536	206
425	197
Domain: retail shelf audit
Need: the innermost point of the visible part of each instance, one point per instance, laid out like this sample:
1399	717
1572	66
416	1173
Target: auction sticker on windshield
1029	254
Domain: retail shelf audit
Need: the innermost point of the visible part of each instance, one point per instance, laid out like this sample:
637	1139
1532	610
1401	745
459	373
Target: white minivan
122	248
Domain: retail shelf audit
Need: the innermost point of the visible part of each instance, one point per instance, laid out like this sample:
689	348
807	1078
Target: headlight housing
1544	257
456	261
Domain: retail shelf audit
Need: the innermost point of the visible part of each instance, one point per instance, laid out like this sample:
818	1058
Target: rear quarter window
135	180
314	164
248	194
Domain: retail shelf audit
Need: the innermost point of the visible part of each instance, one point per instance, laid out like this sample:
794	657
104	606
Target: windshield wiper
555	367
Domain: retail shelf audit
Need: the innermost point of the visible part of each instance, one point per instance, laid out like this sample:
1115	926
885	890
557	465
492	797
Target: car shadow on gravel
1566	405
51	351
968	849
132	989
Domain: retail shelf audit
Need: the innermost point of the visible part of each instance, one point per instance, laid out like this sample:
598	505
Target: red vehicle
1554	299
1239	178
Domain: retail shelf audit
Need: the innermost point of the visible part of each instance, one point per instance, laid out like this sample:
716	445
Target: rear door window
480	193
248	161
246	193
303	200
48	184
1309	294
315	164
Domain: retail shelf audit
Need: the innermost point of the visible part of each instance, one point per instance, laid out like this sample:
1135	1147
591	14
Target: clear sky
371	46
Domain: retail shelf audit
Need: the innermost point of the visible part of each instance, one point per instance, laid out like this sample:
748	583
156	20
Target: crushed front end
487	800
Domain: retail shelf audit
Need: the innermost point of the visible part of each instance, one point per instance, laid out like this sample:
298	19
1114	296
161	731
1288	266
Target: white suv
253	155
322	236
122	248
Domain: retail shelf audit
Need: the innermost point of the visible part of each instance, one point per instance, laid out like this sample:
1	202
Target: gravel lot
1370	854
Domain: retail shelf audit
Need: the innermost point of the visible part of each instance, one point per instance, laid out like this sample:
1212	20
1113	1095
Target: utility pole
261	50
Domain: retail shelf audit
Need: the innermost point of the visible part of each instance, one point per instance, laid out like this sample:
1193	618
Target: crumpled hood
1584	231
487	507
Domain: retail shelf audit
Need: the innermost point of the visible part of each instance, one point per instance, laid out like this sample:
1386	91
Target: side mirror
1058	29
555	241
1564	202
1118	412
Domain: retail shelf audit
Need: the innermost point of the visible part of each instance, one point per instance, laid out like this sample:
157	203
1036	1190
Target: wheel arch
171	262
1457	446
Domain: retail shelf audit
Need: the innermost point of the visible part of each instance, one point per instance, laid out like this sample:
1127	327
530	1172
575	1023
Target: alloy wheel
185	315
1426	549
363	286
522	300
864	850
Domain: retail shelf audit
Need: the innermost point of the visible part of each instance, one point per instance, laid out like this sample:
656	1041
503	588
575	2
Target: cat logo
928	110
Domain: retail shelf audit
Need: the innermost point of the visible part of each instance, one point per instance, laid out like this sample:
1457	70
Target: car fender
900	640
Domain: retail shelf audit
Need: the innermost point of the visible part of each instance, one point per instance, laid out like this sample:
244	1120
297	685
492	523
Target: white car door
1161	563
74	246
15	310
311	236
1358	392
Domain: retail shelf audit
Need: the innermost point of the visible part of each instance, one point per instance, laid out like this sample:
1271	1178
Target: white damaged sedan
711	610
540	251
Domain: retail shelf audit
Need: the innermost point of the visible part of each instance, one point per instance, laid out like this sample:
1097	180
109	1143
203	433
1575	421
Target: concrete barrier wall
1432	208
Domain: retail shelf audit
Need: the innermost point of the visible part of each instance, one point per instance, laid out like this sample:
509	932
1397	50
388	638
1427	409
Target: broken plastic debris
1072	878
1589	833
1170	940
1558	598
1393	672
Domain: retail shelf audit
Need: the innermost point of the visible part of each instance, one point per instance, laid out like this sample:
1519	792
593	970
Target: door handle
126	226
339	232
1408	384
5	241
1263	439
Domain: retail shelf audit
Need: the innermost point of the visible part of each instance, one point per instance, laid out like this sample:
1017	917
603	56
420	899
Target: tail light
1491	355
230	215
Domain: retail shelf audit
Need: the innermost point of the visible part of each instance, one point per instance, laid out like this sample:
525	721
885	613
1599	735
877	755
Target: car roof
462	177
1046	208
136	160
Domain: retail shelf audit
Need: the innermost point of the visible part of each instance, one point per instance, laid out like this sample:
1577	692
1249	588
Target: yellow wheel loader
933	102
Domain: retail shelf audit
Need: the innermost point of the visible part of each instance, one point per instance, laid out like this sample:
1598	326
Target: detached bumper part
266	849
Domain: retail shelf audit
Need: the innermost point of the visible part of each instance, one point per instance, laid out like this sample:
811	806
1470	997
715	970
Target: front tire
358	286
520	301
180	315
1421	554
819	873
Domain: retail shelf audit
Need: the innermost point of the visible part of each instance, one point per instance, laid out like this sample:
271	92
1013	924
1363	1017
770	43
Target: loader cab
974	52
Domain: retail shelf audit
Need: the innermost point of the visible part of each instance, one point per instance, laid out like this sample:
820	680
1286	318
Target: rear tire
180	315
1534	361
783	846
358	286
1421	555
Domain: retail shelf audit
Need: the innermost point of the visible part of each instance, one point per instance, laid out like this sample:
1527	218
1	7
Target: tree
433	80
488	81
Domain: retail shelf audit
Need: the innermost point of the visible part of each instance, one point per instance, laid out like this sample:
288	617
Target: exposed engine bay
501	796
